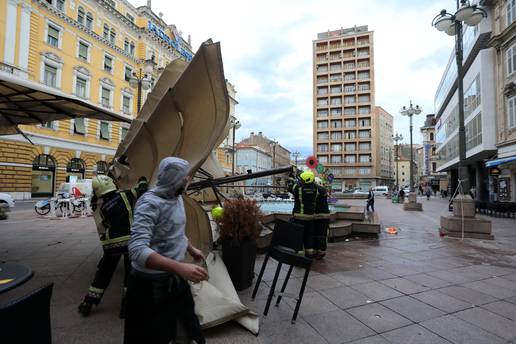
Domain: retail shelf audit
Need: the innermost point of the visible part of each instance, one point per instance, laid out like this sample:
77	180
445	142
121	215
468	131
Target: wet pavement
412	287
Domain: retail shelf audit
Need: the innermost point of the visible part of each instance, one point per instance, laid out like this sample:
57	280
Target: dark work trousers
308	236
105	271
370	203
153	307
320	235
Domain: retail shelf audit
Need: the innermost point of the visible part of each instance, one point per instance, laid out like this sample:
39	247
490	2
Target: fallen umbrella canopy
185	115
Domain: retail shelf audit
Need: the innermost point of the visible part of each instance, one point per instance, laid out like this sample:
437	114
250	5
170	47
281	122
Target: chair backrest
27	320
287	234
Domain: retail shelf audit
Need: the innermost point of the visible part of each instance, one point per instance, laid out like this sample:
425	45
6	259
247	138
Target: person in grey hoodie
158	294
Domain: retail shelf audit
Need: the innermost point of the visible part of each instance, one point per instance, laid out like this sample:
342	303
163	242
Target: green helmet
307	177
217	213
102	185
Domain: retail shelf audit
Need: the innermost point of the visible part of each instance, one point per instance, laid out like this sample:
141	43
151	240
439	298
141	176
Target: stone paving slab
412	309
376	291
468	295
413	334
378	317
345	297
503	308
490	322
445	303
404	286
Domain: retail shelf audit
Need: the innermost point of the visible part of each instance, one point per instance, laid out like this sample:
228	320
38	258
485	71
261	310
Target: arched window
80	15
44	160
75	170
75	164
102	167
89	21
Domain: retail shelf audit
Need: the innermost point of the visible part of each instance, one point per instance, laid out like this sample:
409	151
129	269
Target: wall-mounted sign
174	43
494	171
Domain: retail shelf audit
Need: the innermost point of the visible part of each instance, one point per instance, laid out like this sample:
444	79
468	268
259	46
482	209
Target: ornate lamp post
142	79
452	25
235	124
296	155
411	111
397	138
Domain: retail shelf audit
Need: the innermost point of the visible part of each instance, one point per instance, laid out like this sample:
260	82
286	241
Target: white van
380	190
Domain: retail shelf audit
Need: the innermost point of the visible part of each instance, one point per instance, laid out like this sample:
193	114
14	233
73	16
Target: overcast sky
267	52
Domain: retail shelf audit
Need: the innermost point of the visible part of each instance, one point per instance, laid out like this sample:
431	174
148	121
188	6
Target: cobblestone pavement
413	287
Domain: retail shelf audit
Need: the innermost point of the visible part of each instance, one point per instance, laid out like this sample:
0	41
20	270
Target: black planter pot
239	257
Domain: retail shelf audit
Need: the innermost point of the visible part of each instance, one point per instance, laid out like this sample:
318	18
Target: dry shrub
241	220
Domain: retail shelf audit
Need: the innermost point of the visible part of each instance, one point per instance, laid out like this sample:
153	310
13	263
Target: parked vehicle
380	190
360	192
5	198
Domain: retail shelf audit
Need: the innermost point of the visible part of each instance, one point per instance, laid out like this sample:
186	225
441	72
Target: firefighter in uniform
113	212
321	221
305	194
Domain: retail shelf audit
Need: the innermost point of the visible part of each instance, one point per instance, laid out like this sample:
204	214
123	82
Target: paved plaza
413	287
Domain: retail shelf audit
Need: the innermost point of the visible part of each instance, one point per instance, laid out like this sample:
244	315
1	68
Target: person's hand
193	272
196	253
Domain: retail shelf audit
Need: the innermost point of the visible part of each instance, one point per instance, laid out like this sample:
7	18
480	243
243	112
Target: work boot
85	308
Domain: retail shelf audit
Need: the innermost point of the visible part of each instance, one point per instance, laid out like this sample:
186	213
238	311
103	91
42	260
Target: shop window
102	167
43	175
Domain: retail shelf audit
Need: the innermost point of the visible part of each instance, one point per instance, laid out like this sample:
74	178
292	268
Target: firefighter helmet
307	177
102	185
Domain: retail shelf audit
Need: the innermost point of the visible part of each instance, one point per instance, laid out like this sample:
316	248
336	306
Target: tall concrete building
344	123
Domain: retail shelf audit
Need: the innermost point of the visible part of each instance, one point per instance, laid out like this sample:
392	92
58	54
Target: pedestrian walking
370	200
420	189
401	195
428	192
158	293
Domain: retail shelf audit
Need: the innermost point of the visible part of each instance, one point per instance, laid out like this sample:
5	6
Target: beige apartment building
344	123
503	40
384	147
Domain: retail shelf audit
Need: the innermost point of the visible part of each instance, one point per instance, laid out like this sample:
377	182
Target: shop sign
174	43
74	170
36	167
494	171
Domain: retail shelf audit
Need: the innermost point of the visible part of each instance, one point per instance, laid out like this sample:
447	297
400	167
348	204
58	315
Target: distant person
428	192
401	195
370	200
420	189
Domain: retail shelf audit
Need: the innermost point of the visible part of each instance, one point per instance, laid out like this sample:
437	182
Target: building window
60	4
129	17
472	97
112	36
131	48
79	127
50	76
104	131
108	63
80	87
128	72
105	97
105	33
80	15
89	21
111	3
511	11
434	167
511	112
431	136
511	59
474	132
123	132
102	167
83	51
53	36
126	46
126	104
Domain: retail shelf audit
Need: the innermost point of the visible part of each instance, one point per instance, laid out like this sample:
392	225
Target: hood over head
171	177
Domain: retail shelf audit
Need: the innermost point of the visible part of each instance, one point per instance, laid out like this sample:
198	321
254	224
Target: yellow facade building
86	48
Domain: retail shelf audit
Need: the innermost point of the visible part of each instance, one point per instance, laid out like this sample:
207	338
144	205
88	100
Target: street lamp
235	124
142	80
452	25
296	155
397	138
411	111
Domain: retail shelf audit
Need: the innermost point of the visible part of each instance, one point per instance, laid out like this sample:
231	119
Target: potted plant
239	226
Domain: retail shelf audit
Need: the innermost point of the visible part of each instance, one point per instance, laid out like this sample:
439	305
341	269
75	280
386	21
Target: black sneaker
85	308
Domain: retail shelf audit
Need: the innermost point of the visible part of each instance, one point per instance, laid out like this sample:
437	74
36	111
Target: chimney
252	133
189	40
260	133
149	3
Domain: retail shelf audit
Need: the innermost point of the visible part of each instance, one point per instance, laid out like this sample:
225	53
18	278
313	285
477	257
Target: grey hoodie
159	218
